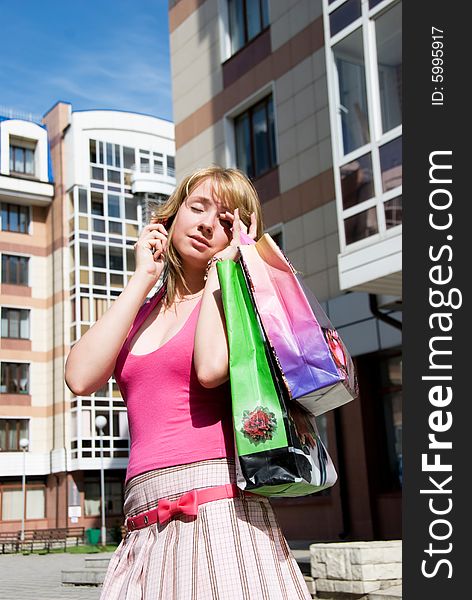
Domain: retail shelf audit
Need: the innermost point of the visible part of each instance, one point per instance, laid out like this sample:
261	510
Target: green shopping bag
271	459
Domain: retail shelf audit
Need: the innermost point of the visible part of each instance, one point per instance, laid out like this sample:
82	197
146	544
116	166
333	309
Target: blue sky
91	53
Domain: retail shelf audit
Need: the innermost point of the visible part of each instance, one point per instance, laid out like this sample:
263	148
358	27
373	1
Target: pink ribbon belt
187	504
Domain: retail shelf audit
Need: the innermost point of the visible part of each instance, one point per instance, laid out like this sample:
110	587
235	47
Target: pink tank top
172	418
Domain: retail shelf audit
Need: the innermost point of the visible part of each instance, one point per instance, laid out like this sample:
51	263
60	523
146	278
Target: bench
9	539
44	539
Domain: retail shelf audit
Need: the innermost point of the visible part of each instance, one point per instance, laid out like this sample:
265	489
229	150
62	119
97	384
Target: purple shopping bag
314	363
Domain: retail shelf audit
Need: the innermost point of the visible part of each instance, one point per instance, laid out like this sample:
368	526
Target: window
21	160
344	15
15	323
255	139
11	432
158	165
96	152
128	157
99	256
113	498
113	206
116	258
12	501
247	18
171	166
357	181
15	217
349	57
388	28
15	269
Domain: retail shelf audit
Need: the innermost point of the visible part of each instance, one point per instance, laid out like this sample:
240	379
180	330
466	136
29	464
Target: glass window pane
84	308
115	228
253	16
261	140
391	161
114	176
92	499
23	268
144	165
344	15
97	203
356	181
12	431
84	255
3	432
24	324
29	162
99	278
236	24
98	225
243	145
373	3
388	31
393	212
19	158
4	322
116	258
109	148
130	260
14	220
349	56
24	214
265	13
128	157
171	166
113	206
131	209
361	225
35	504
99	256
93	151
117	155
24	376
14	317
12	502
270	111
97	173
82	200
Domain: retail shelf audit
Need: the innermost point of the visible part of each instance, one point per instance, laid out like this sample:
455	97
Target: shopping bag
271	457
314	364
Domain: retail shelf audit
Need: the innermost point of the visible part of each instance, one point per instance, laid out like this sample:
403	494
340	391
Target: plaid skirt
233	549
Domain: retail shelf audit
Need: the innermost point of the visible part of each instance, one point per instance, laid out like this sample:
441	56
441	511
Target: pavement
38	577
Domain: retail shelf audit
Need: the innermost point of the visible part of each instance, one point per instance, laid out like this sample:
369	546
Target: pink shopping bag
314	363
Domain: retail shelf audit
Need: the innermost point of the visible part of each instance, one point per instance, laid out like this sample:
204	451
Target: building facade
305	97
67	253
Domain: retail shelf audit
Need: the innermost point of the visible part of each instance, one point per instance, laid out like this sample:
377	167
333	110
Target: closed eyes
225	222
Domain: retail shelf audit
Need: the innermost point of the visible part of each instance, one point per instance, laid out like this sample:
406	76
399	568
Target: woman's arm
91	361
211	353
211	342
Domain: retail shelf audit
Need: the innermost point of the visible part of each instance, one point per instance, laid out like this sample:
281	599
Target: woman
192	533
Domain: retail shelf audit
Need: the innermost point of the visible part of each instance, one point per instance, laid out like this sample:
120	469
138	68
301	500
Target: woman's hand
150	249
232	251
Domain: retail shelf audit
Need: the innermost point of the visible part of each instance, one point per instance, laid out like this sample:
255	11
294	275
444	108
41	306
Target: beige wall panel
318	284
289	18
201	150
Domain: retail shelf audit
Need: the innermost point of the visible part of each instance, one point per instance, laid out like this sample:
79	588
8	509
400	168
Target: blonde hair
232	187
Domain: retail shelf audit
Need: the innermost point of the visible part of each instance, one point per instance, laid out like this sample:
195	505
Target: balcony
375	267
27	191
147	181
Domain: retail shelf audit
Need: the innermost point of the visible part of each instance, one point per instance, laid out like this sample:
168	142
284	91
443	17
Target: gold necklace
184	299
